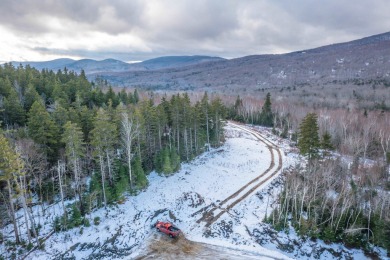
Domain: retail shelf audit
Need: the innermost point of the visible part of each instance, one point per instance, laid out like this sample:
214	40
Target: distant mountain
39	65
357	62
94	67
177	61
88	65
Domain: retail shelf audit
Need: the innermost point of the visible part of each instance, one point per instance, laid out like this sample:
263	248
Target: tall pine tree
140	179
308	140
266	116
74	150
104	136
43	130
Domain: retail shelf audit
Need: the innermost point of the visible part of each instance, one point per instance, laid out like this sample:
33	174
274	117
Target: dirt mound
164	247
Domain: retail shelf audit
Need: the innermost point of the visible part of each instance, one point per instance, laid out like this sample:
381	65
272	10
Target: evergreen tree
74	150
86	120
158	161
238	108
266	116
130	98
162	122
98	97
140	178
308	140
136	96
166	162
205	109
14	112
60	96
60	117
104	136
175	160
218	112
326	142
123	97
200	137
30	97
110	95
121	181
43	130
5	87
150	131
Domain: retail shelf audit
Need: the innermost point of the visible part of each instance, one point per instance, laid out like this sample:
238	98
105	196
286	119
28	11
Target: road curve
213	212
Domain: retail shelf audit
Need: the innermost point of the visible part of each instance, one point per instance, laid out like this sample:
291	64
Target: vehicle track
209	211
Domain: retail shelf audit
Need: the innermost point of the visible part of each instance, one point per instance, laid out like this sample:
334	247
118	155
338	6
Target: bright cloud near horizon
139	30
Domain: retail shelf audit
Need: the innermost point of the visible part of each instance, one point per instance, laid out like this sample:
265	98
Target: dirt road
213	212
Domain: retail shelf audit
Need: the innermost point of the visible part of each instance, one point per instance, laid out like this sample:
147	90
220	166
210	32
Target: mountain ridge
91	66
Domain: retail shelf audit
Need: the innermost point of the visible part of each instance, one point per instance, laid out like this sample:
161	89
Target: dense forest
64	138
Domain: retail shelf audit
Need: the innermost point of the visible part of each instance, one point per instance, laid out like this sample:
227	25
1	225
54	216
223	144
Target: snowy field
125	230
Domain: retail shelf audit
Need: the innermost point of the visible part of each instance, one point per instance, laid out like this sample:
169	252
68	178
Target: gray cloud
145	29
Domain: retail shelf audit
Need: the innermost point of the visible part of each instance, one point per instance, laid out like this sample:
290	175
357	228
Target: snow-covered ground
125	230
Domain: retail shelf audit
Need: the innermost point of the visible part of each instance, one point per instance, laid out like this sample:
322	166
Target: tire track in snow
213	212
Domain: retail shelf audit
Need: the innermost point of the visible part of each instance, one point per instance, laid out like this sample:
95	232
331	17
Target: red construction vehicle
167	228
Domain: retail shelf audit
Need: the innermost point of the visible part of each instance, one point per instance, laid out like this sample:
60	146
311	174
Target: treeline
360	133
65	138
251	114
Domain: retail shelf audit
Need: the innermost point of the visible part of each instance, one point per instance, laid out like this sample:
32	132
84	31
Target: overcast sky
136	30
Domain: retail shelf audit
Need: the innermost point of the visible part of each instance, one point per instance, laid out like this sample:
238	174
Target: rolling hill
356	62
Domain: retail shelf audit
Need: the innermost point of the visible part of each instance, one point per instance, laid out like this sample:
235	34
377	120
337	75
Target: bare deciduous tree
129	131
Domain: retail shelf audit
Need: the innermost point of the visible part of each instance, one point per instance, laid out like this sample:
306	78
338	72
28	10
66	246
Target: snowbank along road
213	212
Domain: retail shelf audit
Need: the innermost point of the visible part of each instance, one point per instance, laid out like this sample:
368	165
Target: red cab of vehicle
167	228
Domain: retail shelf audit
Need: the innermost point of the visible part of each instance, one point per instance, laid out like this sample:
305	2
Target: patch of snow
281	75
331	194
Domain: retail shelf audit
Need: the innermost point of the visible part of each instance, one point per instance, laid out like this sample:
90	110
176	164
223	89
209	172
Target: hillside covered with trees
63	138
